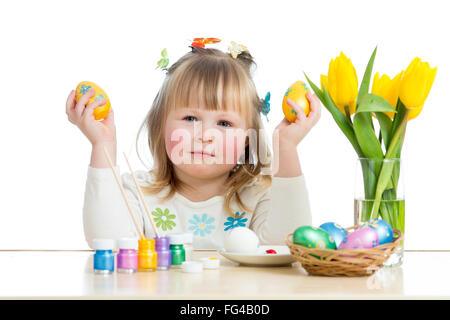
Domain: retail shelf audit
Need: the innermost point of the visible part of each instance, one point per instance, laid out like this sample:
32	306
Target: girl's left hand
291	133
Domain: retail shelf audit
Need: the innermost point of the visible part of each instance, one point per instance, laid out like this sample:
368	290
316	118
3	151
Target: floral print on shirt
201	225
163	219
231	222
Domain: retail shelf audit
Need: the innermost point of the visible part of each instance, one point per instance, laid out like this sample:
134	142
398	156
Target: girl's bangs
213	86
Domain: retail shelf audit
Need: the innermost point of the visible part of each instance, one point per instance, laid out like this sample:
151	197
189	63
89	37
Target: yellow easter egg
99	112
297	93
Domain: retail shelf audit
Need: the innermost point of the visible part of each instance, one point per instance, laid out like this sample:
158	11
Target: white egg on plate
241	240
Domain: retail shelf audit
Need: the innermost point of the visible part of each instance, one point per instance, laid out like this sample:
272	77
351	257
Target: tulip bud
387	89
416	84
343	83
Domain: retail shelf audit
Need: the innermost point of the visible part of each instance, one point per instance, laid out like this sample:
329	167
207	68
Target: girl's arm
98	158
287	136
285	206
105	213
287	164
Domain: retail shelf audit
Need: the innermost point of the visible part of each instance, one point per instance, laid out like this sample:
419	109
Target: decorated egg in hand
364	238
241	240
312	237
100	112
335	231
297	93
383	229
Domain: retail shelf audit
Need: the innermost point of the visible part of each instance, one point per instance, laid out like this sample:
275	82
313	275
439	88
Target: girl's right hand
83	117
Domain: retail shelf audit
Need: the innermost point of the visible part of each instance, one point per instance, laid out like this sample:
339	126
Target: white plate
261	258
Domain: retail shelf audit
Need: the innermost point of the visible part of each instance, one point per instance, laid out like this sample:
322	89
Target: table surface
69	275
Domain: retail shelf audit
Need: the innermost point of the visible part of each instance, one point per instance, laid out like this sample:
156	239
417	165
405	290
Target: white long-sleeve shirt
277	211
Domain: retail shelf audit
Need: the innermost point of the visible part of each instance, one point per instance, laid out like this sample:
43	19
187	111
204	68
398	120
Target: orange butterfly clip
200	42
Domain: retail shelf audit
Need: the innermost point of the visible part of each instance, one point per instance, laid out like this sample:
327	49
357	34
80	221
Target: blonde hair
204	71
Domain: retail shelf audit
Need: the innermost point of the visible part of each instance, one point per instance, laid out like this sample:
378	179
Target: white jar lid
103	244
127	243
210	263
192	266
188	237
176	238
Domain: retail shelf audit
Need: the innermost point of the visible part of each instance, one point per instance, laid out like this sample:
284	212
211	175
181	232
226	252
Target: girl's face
205	143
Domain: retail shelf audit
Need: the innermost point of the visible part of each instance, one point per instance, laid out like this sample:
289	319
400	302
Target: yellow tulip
342	83
387	88
416	84
412	113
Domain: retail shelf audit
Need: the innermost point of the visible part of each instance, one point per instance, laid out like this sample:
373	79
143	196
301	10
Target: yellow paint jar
147	256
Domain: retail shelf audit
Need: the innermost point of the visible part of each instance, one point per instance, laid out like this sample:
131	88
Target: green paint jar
177	249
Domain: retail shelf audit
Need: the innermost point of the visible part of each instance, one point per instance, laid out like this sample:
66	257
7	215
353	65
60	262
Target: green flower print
163	220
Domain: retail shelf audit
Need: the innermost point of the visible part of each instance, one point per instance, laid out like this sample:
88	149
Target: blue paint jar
103	256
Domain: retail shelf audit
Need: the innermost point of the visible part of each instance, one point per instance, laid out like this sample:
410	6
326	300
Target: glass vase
380	193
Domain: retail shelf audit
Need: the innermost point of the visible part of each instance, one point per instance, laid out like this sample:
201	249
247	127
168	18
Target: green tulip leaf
368	141
401	109
383	180
364	88
374	103
316	90
390	172
365	83
385	128
343	122
398	134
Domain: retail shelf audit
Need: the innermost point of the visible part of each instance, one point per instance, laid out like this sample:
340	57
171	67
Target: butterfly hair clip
164	61
266	105
236	49
201	42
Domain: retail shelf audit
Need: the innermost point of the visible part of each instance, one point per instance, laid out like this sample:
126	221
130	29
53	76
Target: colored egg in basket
311	237
383	229
364	238
337	232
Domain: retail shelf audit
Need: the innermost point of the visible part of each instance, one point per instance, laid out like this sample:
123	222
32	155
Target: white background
48	47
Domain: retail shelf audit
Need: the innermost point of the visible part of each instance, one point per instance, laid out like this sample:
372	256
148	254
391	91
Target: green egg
311	237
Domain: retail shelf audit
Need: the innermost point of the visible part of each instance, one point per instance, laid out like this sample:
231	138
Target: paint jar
163	251
177	249
147	256
210	263
192	266
127	258
103	256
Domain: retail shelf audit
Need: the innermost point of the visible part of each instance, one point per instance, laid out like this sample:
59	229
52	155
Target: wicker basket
349	262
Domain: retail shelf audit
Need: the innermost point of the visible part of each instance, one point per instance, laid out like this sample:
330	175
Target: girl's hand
290	134
82	116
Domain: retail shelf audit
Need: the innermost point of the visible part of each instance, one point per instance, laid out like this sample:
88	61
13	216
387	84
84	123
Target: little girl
210	175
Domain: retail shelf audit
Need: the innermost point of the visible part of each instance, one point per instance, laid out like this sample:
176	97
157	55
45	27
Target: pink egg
364	238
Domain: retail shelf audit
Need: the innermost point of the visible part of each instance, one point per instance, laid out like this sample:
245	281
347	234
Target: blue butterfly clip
266	106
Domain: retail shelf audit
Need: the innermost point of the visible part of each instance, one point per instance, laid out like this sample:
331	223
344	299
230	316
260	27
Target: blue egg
335	231
383	229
